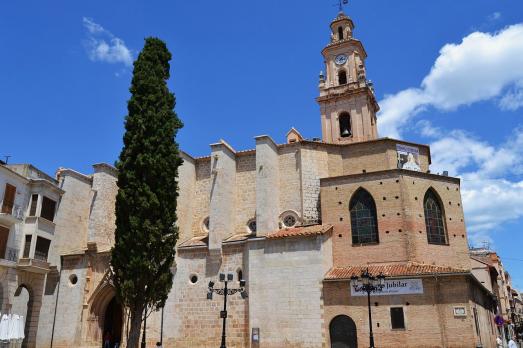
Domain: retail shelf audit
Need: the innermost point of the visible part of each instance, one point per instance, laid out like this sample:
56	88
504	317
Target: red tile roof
392	270
199	241
239	237
303	231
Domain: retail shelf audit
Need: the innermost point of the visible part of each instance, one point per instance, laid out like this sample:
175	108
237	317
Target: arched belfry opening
342	77
345	125
340	33
342	331
113	323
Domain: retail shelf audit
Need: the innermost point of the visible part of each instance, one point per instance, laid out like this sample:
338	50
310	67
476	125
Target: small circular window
205	224
73	279
251	226
289	219
193	279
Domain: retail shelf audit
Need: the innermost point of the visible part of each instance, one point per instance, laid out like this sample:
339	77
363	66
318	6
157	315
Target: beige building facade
296	221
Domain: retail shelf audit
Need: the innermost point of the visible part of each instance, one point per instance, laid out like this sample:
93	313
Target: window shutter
4	236
9	199
27	245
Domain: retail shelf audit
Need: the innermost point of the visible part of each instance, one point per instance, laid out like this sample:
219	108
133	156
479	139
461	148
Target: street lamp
368	283
225	291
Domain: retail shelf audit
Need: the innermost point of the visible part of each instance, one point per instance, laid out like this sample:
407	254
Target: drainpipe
57	295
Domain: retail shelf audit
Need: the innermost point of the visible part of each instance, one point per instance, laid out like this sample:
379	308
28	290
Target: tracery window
434	219
363	218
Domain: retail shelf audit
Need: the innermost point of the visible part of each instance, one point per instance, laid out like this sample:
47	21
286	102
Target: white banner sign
393	287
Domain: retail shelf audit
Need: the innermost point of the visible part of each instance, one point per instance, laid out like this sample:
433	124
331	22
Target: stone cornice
383	173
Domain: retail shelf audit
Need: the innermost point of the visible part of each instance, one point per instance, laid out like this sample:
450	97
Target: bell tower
347	103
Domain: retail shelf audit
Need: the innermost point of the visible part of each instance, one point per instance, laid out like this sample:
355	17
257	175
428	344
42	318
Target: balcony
11	214
37	224
33	265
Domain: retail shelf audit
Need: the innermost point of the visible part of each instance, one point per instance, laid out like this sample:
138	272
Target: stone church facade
296	221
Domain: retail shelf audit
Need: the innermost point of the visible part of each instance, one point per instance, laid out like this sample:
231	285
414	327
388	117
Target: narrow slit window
340	33
34	202
27	245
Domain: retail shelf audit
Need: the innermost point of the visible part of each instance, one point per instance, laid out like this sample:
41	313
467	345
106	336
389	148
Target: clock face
340	59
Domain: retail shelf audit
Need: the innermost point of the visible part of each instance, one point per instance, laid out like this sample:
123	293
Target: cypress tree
146	234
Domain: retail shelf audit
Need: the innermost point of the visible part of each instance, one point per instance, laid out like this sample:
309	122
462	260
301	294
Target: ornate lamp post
368	283
225	291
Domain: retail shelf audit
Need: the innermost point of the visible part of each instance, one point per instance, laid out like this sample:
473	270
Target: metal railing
11	254
40	255
14	210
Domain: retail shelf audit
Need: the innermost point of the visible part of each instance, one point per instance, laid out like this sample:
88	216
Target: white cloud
513	99
480	68
103	46
489	198
494	16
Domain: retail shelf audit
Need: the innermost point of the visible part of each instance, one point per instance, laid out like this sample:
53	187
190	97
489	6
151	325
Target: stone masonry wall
429	317
102	218
398	196
191	320
285	291
245	191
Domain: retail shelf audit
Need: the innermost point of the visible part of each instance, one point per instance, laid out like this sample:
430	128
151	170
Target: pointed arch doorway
342	331
113	323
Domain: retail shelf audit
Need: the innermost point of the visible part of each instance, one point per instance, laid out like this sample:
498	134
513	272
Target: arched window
434	218
363	218
342	77
340	33
345	126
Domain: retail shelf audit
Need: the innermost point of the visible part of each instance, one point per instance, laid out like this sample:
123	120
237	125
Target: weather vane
341	3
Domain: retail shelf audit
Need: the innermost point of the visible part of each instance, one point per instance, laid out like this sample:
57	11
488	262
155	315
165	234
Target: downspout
443	331
57	295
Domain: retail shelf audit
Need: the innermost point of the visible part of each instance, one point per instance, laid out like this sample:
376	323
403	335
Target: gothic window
345	126
434	218
342	77
363	219
340	33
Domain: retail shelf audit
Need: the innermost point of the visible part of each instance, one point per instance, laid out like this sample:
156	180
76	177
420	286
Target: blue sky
447	73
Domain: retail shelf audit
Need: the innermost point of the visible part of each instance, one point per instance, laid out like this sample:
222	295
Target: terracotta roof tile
302	231
392	270
199	241
239	237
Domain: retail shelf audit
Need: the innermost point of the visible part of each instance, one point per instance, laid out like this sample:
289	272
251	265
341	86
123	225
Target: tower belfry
347	103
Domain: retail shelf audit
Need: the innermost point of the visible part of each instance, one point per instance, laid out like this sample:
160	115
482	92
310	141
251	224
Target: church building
296	221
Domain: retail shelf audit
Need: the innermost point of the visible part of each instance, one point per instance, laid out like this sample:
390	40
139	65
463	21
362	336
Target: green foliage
147	180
